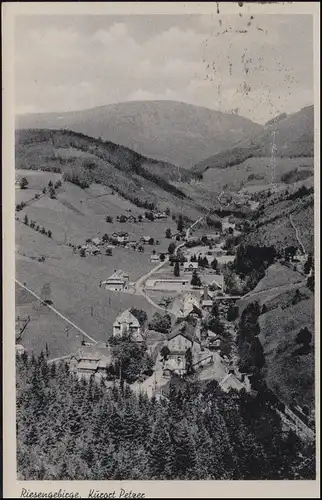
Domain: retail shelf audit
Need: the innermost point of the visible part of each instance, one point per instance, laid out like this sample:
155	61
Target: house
91	249
20	349
227	225
155	257
145	239
90	360
167	284
189	267
230	381
96	241
213	236
131	218
119	281
206	298
186	305
215	281
160	216
121	237
127	324
179	341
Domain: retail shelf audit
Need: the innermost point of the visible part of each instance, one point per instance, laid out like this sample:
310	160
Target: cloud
71	65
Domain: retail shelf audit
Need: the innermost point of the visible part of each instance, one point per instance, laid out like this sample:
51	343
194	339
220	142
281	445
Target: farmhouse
20	349
96	241
91	249
119	281
216	281
189	267
160	215
145	239
127	324
179	341
90	360
155	258
165	284
121	237
186	305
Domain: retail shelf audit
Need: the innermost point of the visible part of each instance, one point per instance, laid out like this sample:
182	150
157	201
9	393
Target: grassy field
77	214
73	295
255	172
278	275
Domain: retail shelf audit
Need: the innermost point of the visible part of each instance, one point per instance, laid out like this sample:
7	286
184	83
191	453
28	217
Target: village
193	335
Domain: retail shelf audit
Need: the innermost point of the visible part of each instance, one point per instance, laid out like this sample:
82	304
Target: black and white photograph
165	263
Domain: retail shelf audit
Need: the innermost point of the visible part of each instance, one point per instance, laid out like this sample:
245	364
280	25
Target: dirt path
297	235
57	312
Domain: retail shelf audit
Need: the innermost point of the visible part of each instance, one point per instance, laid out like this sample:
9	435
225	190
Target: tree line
70	429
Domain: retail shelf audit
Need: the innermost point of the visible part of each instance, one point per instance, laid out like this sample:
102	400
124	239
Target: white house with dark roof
90	360
189	267
127	324
119	281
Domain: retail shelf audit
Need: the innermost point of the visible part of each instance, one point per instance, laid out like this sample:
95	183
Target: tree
49	233
23	183
168	234
308	264
52	193
168	211
140	218
109	219
50	184
214	264
105	238
160	323
82	252
189	361
149	216
171	248
44	190
26	220
195	280
180	224
140	315
108	252
232	313
43	230
304	337
162	257
176	270
151	241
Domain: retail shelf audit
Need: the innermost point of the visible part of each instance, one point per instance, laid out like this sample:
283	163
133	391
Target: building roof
96	241
87	365
184	329
93	353
117	275
192	265
127	317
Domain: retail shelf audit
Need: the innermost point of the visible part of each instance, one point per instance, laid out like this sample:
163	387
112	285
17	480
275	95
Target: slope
289	136
273	223
289	307
170	131
82	159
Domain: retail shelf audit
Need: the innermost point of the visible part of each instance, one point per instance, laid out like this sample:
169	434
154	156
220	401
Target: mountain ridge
170	131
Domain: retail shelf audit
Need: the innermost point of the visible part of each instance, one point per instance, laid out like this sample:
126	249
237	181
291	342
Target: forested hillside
69	429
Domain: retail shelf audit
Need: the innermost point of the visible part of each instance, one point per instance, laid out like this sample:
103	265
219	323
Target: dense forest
69	429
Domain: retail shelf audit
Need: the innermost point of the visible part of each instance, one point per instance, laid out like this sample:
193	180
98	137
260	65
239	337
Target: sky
256	67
